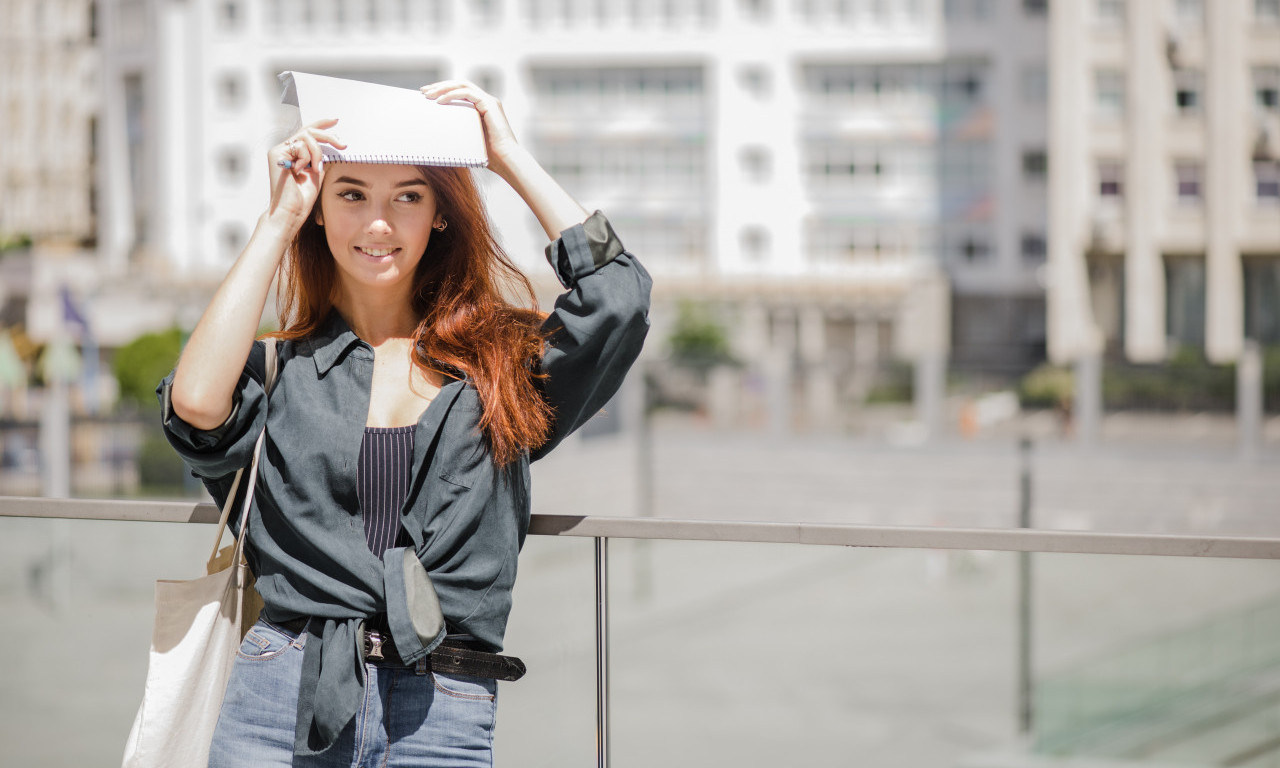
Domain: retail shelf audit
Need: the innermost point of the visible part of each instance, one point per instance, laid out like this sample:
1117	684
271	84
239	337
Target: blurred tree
698	340
142	363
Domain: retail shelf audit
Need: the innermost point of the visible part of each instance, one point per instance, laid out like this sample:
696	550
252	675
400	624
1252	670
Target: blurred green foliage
141	364
893	384
14	242
1186	382
698	340
1048	386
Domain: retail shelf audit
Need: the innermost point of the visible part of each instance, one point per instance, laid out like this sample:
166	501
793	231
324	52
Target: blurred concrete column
930	392
780	374
1227	149
60	365
923	336
1249	396
723	385
751	339
1086	408
866	356
819	381
1147	173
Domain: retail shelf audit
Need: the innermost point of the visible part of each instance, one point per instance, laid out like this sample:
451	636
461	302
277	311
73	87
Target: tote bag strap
272	370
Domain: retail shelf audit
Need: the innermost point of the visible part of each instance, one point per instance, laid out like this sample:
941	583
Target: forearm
555	208
214	357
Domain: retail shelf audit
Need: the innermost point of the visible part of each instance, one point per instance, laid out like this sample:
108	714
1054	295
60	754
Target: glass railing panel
77	597
765	655
548	718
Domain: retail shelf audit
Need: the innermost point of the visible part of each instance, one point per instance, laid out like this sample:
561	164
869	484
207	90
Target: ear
319	216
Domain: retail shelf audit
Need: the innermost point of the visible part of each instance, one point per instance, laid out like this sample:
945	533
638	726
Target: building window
1110	180
1188	175
962	81
232	241
231	164
1266	177
490	81
1184	301
1262	300
1190	12
1111	12
1266	10
1035	7
755	244
756	10
757	164
1188	85
1034	246
1266	87
755	80
230	91
1035	165
1034	84
973	249
486	12
1108	94
229	15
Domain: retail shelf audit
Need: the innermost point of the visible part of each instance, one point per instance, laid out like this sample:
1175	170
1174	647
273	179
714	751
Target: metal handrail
831	534
601	529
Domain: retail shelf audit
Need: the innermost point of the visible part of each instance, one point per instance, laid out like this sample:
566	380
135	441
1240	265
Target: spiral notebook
382	124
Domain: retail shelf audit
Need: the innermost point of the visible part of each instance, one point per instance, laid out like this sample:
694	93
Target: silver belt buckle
373	641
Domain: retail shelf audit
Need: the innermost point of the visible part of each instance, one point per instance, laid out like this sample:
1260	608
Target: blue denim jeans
410	717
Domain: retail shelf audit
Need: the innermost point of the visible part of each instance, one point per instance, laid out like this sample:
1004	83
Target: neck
379	318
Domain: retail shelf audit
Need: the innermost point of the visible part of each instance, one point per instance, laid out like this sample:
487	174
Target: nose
379	225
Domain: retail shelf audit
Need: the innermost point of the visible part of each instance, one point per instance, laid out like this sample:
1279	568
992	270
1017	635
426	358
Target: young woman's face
377	219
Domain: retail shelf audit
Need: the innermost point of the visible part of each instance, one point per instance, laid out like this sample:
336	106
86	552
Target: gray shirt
466	517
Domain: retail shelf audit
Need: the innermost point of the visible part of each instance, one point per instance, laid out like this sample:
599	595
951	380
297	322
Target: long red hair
465	323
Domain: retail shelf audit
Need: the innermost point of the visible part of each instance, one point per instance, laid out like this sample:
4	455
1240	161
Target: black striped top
382	483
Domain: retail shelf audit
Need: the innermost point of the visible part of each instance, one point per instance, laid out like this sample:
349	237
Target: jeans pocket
263	642
466	686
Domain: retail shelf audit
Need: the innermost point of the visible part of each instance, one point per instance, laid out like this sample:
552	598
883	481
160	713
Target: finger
331	139
449	90
440	85
311	152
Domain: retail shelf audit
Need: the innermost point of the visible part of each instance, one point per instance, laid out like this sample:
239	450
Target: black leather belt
450	657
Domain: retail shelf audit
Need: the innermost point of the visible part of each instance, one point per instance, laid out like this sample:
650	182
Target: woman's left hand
500	140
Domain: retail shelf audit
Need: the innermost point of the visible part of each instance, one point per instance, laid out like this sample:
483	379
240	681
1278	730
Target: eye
410	197
351	194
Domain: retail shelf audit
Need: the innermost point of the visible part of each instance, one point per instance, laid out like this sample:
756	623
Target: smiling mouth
377	253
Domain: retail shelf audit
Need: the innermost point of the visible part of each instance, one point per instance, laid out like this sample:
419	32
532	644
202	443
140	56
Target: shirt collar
333	340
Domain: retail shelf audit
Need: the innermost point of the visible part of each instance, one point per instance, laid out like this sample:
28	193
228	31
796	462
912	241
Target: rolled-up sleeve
217	452
597	327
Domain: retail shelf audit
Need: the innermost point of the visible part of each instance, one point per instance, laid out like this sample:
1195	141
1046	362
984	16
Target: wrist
512	162
278	226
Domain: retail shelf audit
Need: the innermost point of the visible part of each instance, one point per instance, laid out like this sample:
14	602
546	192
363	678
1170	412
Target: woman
394	481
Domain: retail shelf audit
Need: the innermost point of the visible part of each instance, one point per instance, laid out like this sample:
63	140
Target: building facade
1165	191
49	101
844	181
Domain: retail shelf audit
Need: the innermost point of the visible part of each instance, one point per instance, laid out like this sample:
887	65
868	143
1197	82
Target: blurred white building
50	97
1165	200
822	171
845	181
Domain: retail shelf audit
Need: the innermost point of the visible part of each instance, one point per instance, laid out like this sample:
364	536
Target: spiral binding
437	160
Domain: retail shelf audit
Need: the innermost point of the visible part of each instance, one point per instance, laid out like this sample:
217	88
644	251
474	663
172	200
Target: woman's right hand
296	168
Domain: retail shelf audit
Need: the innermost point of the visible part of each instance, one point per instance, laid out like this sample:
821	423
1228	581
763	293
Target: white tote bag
199	626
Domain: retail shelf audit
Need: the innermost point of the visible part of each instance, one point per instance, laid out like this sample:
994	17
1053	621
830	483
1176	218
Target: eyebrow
359	183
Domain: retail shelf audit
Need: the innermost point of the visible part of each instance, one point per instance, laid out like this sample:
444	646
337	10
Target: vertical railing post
1025	693
602	652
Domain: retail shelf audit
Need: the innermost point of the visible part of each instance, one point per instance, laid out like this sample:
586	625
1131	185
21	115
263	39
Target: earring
440	227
